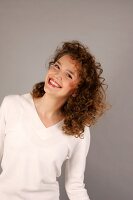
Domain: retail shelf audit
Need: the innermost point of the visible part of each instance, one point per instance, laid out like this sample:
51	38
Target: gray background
30	30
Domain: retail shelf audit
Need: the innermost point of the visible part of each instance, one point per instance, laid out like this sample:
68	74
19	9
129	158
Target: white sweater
32	155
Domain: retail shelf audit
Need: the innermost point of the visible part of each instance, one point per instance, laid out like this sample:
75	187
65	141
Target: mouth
53	83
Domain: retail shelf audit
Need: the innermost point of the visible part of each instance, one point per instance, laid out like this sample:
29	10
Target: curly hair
89	102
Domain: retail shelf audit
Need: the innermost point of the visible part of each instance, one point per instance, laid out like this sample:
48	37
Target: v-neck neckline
39	119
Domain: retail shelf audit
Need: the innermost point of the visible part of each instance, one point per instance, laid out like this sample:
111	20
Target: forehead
68	62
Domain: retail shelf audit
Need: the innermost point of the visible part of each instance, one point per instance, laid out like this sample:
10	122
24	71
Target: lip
52	82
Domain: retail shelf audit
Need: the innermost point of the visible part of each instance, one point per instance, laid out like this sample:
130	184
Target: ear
74	92
73	95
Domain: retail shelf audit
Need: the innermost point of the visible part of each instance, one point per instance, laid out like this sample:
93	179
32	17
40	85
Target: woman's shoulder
85	136
83	139
16	99
15	104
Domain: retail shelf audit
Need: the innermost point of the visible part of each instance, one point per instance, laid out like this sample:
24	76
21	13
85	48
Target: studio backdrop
30	31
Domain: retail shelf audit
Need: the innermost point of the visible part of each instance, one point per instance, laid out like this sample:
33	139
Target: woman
41	129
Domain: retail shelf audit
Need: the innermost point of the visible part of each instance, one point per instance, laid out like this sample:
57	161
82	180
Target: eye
69	76
56	66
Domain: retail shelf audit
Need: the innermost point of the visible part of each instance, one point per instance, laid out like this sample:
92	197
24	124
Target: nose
58	76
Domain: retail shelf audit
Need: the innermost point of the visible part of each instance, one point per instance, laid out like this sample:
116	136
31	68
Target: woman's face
62	77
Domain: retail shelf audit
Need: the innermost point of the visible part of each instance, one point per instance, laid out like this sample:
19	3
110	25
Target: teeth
54	83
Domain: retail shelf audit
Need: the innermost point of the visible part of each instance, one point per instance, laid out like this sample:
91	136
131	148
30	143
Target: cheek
46	77
49	72
72	86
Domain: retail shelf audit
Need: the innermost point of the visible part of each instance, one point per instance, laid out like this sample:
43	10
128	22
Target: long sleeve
75	168
2	127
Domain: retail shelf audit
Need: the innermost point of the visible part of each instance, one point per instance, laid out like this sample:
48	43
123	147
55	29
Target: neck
50	106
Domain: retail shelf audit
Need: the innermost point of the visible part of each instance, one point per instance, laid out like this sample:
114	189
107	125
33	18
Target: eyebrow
67	69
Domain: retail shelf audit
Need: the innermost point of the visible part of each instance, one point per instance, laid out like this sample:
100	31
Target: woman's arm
2	127
75	168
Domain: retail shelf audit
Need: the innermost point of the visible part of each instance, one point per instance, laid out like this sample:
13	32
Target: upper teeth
54	83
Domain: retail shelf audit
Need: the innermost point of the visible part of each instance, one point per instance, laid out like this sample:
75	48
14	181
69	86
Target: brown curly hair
88	103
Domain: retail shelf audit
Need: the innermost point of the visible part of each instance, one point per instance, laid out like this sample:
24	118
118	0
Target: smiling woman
63	77
81	89
41	129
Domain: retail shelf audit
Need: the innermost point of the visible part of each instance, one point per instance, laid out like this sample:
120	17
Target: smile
53	83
